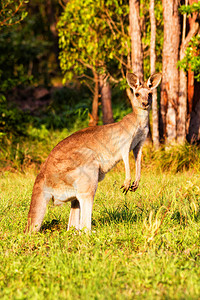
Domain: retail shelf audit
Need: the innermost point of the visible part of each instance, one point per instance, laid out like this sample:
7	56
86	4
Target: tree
93	38
182	100
26	57
12	12
190	62
170	83
182	104
155	134
136	39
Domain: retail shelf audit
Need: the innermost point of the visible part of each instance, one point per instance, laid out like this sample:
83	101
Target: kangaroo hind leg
86	189
86	204
74	217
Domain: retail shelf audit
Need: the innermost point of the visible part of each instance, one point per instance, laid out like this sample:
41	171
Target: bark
105	91
194	123
182	107
193	135
190	90
95	104
182	101
155	134
136	38
170	81
194	129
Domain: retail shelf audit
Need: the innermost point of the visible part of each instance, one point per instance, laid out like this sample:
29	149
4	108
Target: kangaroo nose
145	104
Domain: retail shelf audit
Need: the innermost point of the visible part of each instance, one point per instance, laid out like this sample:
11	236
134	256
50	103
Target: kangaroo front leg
137	151
127	181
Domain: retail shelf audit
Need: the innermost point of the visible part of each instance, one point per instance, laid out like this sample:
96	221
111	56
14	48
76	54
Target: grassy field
145	245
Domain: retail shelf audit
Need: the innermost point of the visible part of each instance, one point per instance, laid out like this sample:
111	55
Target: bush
173	159
68	108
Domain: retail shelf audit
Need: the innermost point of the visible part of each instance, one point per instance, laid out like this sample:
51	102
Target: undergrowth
31	151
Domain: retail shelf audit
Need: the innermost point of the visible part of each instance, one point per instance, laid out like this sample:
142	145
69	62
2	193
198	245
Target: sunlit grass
145	245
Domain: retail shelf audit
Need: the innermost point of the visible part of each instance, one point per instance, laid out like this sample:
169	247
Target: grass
145	245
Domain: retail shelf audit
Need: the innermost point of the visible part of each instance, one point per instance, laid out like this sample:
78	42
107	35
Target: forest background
63	64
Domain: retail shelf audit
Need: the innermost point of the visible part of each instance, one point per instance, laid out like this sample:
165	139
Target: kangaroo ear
154	81
133	80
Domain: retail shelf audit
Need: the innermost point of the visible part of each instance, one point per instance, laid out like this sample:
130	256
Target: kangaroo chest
139	136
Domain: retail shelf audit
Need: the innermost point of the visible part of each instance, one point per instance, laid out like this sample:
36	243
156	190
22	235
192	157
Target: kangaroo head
143	92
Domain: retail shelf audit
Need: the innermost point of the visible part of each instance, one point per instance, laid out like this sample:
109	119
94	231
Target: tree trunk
190	90
182	100
106	100
182	108
95	104
136	38
193	135
52	26
170	82
194	124
155	134
194	129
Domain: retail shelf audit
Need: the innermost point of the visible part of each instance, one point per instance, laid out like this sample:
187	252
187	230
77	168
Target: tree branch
121	61
89	87
86	76
193	31
12	15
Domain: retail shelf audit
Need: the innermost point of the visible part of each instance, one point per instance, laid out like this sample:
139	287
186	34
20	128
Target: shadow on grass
51	225
118	215
181	219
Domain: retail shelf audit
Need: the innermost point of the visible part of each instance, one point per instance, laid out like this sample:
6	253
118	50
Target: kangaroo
76	165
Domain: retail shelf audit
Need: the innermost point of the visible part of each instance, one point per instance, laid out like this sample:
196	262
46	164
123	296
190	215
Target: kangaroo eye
137	95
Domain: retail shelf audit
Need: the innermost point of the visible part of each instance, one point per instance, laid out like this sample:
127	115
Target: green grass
145	245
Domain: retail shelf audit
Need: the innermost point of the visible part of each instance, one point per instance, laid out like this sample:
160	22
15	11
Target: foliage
37	140
12	121
68	109
192	57
192	54
12	12
24	52
174	159
11	69
93	36
190	9
25	47
143	246
31	150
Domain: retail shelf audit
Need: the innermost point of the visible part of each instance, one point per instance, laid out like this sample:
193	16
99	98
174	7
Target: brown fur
76	165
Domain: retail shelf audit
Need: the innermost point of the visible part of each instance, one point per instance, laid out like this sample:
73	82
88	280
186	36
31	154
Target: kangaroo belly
59	194
106	164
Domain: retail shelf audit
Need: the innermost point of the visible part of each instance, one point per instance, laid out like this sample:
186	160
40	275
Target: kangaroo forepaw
133	187
125	189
